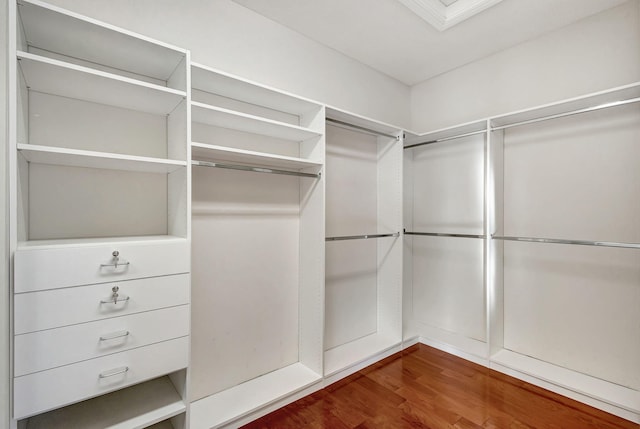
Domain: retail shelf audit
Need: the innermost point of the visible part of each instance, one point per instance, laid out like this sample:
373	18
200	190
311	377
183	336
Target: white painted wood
245	268
218	82
447	133
68	80
351	291
76	124
65	32
219	117
58	387
583	102
408	320
585	316
248	157
178	203
90	159
362	121
64	266
121	409
232	404
454	343
42	350
583	384
73	305
575	177
454	205
343	360
448	286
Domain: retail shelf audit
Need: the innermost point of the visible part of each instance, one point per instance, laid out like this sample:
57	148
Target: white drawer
51	268
46	390
49	309
52	348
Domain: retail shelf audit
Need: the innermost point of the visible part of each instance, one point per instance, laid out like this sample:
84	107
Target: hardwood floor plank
425	388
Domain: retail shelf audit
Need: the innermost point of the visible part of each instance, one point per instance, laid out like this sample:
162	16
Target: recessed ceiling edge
443	17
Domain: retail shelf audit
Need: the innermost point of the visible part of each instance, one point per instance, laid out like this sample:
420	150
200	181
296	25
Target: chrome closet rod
444	234
358	127
444	139
578	242
358	237
253	169
573	112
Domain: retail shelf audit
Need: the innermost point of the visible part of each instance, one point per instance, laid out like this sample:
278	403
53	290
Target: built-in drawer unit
46	390
49	309
42	350
62	266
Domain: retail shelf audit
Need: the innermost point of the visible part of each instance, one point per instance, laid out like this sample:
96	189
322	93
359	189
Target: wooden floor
422	387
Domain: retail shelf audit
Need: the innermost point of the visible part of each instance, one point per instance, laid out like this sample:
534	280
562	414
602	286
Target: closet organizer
191	249
363	276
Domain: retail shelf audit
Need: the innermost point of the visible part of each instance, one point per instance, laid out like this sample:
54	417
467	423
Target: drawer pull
115	297
116	261
114	335
113	372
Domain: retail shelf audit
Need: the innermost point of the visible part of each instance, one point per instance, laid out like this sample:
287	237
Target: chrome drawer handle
116	261
115	297
113	372
114	335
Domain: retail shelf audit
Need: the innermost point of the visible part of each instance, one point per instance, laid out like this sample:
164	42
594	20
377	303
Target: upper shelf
222	153
450	133
206	79
83	158
57	30
362	122
576	105
69	80
224	118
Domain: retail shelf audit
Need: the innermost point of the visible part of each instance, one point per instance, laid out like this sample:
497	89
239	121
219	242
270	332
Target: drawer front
49	309
41	269
46	390
42	350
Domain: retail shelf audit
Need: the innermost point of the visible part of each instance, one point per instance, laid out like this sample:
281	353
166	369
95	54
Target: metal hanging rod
444	139
577	242
358	237
442	234
358	127
573	112
254	169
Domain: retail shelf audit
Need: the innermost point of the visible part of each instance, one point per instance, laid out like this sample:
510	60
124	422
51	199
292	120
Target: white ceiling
388	37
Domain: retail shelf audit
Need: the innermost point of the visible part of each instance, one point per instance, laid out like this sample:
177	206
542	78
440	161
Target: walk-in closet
217	209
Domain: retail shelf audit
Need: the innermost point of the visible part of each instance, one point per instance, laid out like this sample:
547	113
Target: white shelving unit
363	278
445	239
257	251
99	194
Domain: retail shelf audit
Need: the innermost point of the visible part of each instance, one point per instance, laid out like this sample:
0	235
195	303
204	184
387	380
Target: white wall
227	36
594	54
4	272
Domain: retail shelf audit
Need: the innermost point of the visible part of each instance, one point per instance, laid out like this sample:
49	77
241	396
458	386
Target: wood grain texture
423	387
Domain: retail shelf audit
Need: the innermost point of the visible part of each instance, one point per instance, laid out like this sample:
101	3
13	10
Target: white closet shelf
90	159
57	30
95	241
261	159
358	351
579	104
449	133
361	121
224	118
601	390
56	77
239	401
122	409
206	79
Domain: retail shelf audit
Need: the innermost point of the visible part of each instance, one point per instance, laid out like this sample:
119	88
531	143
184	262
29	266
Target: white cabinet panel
74	266
351	288
54	308
575	307
57	387
575	177
448	186
448	291
51	348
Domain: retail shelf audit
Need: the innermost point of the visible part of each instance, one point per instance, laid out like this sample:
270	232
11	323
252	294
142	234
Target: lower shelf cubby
136	407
